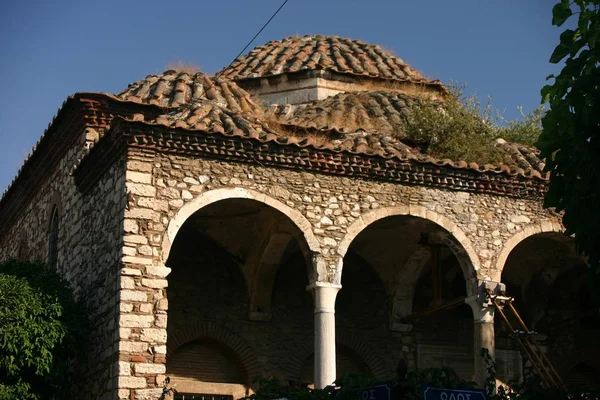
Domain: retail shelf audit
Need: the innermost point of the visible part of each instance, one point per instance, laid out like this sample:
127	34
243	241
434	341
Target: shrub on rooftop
462	128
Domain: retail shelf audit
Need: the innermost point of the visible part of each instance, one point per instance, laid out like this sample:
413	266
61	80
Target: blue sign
454	394
379	392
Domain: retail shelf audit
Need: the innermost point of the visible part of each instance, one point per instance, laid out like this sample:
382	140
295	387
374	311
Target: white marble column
484	336
324	295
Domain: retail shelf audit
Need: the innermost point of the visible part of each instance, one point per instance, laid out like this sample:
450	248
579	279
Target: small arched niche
207	366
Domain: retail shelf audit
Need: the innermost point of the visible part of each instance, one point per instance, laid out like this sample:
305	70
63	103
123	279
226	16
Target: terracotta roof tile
375	122
210	117
316	52
172	89
381	112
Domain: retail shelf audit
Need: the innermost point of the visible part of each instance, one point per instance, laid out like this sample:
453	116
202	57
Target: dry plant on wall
418	90
183	66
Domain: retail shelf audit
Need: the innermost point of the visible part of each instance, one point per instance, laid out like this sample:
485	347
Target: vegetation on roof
183	66
462	128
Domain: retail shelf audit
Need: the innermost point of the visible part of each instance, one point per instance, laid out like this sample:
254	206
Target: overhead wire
252	40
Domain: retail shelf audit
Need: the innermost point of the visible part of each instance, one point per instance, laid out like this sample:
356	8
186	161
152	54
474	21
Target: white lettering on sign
368	395
452	396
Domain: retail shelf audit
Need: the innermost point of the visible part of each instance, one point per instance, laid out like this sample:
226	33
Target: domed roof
381	112
316	52
173	89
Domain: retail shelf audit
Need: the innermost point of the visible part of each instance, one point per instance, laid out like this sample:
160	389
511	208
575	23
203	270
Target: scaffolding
504	305
533	352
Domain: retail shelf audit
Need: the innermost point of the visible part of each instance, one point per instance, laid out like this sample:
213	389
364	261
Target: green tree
41	329
570	141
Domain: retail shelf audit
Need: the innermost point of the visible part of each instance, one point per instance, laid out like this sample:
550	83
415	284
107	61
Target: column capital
482	313
324	295
315	285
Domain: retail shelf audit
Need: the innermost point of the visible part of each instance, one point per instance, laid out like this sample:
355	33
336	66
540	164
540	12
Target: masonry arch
420	257
207	358
551	287
242	261
456	240
216	195
310	244
54	221
530	230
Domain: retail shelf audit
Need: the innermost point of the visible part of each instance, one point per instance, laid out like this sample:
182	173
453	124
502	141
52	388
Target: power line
255	36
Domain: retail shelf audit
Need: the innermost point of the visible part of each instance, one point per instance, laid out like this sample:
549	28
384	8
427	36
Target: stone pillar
483	324
142	326
324	295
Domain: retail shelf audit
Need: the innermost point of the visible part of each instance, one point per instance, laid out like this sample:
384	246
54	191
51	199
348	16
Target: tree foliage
41	329
463	128
570	142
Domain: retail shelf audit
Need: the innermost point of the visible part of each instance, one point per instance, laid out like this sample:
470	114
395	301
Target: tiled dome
316	52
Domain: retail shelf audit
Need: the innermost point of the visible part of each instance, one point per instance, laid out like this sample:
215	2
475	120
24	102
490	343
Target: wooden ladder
532	351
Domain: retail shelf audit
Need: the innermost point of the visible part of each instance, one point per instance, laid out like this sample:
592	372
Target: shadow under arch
550	285
213	196
528	231
457	240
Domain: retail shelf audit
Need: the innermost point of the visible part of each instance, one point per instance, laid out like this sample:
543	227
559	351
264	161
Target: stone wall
164	190
483	224
89	252
114	242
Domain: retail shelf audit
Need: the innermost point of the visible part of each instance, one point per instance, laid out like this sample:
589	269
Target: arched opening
444	338
53	238
397	266
206	360
551	288
238	264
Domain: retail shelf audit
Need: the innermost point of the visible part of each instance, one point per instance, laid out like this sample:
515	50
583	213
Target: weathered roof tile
172	89
380	112
316	52
373	123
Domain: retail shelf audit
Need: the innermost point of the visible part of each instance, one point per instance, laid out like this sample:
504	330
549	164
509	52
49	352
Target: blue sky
51	49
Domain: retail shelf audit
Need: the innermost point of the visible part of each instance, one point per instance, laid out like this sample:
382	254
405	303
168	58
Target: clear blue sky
51	49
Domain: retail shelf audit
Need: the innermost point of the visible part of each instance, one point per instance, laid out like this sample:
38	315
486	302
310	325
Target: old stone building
271	221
